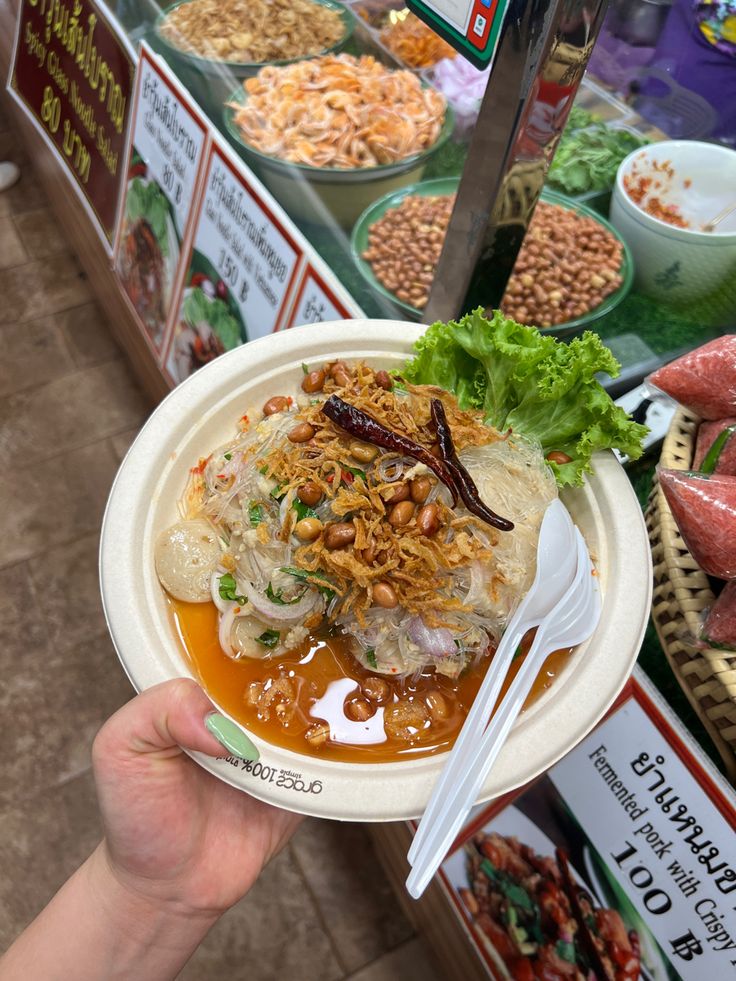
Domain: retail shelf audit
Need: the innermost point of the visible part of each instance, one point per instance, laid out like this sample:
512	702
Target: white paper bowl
201	414
679	265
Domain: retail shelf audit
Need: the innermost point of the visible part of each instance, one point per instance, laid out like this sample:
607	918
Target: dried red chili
464	482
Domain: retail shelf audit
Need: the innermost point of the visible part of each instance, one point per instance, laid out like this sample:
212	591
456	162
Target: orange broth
319	662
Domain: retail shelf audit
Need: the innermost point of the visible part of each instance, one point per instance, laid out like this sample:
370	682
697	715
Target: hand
175	835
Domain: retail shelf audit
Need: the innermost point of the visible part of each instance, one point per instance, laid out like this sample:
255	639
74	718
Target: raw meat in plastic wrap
703	380
708	433
720	625
704	508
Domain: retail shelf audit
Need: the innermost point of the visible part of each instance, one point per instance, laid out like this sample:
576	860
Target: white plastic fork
571	622
556	564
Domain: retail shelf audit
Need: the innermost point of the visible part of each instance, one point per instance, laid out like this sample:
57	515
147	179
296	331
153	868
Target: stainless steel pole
541	57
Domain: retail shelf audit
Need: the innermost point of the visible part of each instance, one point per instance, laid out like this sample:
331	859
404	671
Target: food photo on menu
149	249
209	321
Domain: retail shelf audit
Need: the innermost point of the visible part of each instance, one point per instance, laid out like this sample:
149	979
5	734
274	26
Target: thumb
165	719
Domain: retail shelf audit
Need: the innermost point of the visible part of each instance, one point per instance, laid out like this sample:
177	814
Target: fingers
158	722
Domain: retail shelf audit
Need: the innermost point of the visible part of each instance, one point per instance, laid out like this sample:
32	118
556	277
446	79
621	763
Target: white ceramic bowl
200	414
680	264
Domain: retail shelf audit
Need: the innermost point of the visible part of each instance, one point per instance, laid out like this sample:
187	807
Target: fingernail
231	736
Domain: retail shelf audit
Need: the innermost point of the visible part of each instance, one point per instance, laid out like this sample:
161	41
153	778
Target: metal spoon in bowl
710	226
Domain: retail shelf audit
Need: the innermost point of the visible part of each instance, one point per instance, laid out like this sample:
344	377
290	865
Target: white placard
317	302
241	270
168	138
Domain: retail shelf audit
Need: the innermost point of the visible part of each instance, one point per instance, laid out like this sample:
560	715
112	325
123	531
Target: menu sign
241	269
317	302
619	863
166	149
72	72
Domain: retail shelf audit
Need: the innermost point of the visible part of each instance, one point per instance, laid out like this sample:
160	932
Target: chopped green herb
370	657
228	456
566	950
277	596
302	510
255	513
355	471
305	368
313	578
227	587
277	493
517	653
269	638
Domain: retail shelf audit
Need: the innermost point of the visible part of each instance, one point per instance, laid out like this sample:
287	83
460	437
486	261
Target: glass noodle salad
345	565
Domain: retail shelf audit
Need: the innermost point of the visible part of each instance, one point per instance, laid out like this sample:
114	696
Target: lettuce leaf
147	201
199	308
532	384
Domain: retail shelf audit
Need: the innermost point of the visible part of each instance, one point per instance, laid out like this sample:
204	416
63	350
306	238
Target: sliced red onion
434	641
275	611
226	625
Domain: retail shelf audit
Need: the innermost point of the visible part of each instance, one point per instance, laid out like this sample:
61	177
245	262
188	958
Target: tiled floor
69	407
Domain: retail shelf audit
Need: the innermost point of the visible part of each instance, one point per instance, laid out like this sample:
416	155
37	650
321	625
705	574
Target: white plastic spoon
571	622
556	564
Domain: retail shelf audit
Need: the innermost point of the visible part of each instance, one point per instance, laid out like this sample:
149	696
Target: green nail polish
231	736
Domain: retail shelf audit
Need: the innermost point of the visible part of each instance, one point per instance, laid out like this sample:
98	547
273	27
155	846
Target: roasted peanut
428	520
363	452
384	595
397	492
338	366
401	514
314	381
377	689
437	705
558	457
369	554
300	433
318	734
339	535
359	710
406	718
277	403
383	380
309	493
341	378
308	529
420	488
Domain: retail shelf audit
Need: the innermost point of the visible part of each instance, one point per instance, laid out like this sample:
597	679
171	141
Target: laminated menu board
249	271
317	301
619	863
72	73
166	150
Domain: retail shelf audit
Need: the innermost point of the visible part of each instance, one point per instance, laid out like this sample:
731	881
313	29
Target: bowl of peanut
573	266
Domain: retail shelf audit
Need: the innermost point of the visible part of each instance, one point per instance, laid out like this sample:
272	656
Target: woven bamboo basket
681	595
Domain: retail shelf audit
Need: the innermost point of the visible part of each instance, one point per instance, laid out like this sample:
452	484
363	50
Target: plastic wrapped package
715	448
703	380
719	628
704	508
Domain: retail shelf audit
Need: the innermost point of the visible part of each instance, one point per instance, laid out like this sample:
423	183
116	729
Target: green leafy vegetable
269	638
277	596
199	308
255	513
313	578
302	510
579	118
587	159
146	200
227	587
532	384
566	950
370	657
